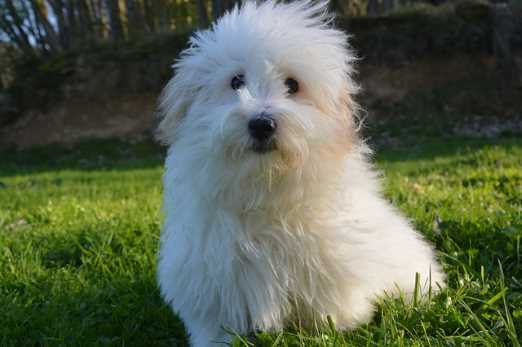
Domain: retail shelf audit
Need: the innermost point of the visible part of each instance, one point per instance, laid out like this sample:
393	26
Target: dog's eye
237	82
292	85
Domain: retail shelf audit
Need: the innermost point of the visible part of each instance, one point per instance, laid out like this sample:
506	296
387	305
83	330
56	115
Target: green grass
79	233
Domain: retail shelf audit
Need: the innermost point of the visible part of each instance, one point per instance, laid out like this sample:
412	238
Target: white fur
257	241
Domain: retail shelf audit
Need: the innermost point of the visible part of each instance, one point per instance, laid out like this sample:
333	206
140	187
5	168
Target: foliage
38	80
79	230
50	26
407	36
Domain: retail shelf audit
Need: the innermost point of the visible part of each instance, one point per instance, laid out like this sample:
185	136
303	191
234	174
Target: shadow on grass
432	148
80	288
119	155
85	156
94	306
116	312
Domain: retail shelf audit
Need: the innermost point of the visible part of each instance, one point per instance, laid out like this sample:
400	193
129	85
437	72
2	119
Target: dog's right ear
174	103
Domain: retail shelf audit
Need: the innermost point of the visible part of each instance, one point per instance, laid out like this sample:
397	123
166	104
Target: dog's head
269	84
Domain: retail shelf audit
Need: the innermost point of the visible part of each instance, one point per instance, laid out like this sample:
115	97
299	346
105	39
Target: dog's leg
387	263
206	334
356	309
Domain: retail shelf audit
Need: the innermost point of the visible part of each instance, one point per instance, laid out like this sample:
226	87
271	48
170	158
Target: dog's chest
290	259
265	267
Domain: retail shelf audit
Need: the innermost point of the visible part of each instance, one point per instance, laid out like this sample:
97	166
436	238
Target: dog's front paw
207	335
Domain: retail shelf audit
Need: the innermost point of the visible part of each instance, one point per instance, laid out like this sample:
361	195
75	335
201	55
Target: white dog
273	214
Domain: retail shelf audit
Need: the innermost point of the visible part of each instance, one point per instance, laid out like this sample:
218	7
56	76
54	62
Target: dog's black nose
262	127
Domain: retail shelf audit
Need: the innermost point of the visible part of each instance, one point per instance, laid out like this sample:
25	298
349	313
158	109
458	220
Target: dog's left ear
175	100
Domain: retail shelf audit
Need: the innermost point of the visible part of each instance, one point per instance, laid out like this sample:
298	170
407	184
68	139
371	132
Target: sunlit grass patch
79	232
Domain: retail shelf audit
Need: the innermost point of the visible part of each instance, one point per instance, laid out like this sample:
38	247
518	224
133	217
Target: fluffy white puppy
272	213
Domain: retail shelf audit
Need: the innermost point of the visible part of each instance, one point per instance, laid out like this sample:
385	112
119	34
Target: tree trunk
85	24
148	10
64	33
74	35
51	37
373	8
388	6
217	8
503	26
202	13
97	19
135	21
33	27
162	14
17	26
116	28
11	32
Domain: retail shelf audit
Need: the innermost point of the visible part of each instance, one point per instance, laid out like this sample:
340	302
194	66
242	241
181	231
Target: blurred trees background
46	26
56	25
49	27
54	50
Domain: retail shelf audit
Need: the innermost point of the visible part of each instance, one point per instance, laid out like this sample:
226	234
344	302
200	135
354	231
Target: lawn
79	233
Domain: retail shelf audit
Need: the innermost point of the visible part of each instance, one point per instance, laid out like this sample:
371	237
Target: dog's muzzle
262	129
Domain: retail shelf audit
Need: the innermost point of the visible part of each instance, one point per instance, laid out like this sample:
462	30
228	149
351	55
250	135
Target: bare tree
85	21
348	7
503	27
135	21
217	8
388	6
55	25
116	28
13	25
202	13
373	8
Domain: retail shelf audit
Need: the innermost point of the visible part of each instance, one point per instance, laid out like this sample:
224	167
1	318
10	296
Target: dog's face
268	85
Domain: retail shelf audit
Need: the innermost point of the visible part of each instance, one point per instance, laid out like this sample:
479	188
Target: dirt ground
462	85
